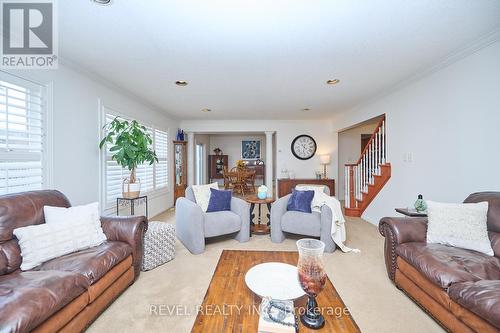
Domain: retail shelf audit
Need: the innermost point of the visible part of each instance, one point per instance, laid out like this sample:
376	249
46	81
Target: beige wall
285	131
75	126
446	122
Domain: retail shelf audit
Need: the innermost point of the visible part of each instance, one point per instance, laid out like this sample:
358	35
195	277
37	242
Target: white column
190	158
269	160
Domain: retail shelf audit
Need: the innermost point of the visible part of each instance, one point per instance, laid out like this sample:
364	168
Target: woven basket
131	190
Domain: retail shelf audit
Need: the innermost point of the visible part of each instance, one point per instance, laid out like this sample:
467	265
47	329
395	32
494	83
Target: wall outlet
408	157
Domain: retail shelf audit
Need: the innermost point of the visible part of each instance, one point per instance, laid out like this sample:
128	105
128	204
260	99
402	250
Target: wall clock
303	147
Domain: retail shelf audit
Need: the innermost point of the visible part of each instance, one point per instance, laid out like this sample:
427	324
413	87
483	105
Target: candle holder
312	279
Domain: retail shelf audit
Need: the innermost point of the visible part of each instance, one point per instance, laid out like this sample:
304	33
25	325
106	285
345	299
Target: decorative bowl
274	279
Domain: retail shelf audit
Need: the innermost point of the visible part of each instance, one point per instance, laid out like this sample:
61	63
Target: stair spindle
379	151
367	171
384	156
358	177
346	187
377	147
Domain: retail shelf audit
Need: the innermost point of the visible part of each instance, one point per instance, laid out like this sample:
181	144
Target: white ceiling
266	59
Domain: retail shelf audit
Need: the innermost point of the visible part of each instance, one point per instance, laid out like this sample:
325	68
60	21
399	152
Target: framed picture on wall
250	149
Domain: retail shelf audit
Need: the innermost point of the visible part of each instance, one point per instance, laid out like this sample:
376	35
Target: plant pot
131	190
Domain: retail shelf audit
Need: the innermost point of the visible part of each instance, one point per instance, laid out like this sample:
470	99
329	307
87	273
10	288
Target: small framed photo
250	149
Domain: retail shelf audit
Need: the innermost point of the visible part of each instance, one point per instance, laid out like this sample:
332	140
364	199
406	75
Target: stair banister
365	178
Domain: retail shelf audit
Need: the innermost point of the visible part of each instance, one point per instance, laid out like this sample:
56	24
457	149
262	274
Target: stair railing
361	174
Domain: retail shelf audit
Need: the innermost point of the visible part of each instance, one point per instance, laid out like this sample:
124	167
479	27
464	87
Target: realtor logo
29	38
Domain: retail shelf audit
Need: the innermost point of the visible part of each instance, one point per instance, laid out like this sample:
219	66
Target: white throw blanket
338	221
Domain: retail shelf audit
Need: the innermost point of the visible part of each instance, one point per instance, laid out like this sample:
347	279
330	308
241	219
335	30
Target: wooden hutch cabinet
216	165
180	169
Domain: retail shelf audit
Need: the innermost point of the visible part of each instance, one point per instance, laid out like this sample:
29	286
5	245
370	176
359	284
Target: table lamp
324	160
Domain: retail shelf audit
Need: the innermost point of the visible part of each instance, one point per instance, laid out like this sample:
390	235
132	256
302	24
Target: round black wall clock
303	147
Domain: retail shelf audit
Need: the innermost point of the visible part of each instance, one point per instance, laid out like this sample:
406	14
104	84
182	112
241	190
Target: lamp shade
324	159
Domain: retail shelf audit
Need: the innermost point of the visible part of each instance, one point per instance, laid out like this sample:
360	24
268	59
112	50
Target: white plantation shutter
153	177
22	120
161	148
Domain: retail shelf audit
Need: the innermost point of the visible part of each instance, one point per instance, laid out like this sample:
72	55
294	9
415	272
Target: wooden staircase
366	178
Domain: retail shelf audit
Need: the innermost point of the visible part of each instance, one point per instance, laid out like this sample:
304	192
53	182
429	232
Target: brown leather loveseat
67	293
457	287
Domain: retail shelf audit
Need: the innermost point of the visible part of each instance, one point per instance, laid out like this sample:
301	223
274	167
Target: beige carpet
360	279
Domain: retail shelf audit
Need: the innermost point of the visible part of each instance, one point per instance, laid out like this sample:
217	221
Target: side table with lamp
286	185
324	160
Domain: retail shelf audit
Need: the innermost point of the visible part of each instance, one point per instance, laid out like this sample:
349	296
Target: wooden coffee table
259	228
229	306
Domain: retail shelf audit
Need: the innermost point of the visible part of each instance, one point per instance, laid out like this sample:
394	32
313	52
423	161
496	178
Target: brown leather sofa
67	293
459	288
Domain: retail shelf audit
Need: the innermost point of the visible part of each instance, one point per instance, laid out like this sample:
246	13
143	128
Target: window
200	152
161	148
22	124
153	177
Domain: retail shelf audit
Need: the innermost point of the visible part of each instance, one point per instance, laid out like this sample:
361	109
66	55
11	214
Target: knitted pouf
159	245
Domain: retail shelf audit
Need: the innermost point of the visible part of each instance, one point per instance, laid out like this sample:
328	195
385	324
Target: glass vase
312	279
420	204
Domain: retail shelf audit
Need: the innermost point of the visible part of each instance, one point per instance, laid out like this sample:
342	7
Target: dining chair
250	181
239	185
227	179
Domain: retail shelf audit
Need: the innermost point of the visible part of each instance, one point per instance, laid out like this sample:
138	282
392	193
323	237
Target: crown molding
455	56
102	80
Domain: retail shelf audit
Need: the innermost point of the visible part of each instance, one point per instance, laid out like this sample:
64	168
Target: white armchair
308	224
193	225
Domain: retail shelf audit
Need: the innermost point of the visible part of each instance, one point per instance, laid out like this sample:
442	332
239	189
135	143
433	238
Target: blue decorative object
180	135
300	201
262	192
250	149
220	200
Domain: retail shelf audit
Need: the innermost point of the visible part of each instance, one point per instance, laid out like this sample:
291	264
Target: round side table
259	228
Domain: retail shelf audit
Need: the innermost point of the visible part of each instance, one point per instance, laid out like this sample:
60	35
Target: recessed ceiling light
181	83
206	110
306	109
333	81
102	2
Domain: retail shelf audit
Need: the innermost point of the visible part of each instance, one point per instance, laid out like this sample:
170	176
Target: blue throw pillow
300	201
220	200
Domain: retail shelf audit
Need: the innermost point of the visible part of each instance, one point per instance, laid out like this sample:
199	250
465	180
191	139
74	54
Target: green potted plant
129	144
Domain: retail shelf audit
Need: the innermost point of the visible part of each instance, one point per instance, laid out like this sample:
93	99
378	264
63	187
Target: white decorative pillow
318	199
85	213
460	225
75	215
42	242
202	194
